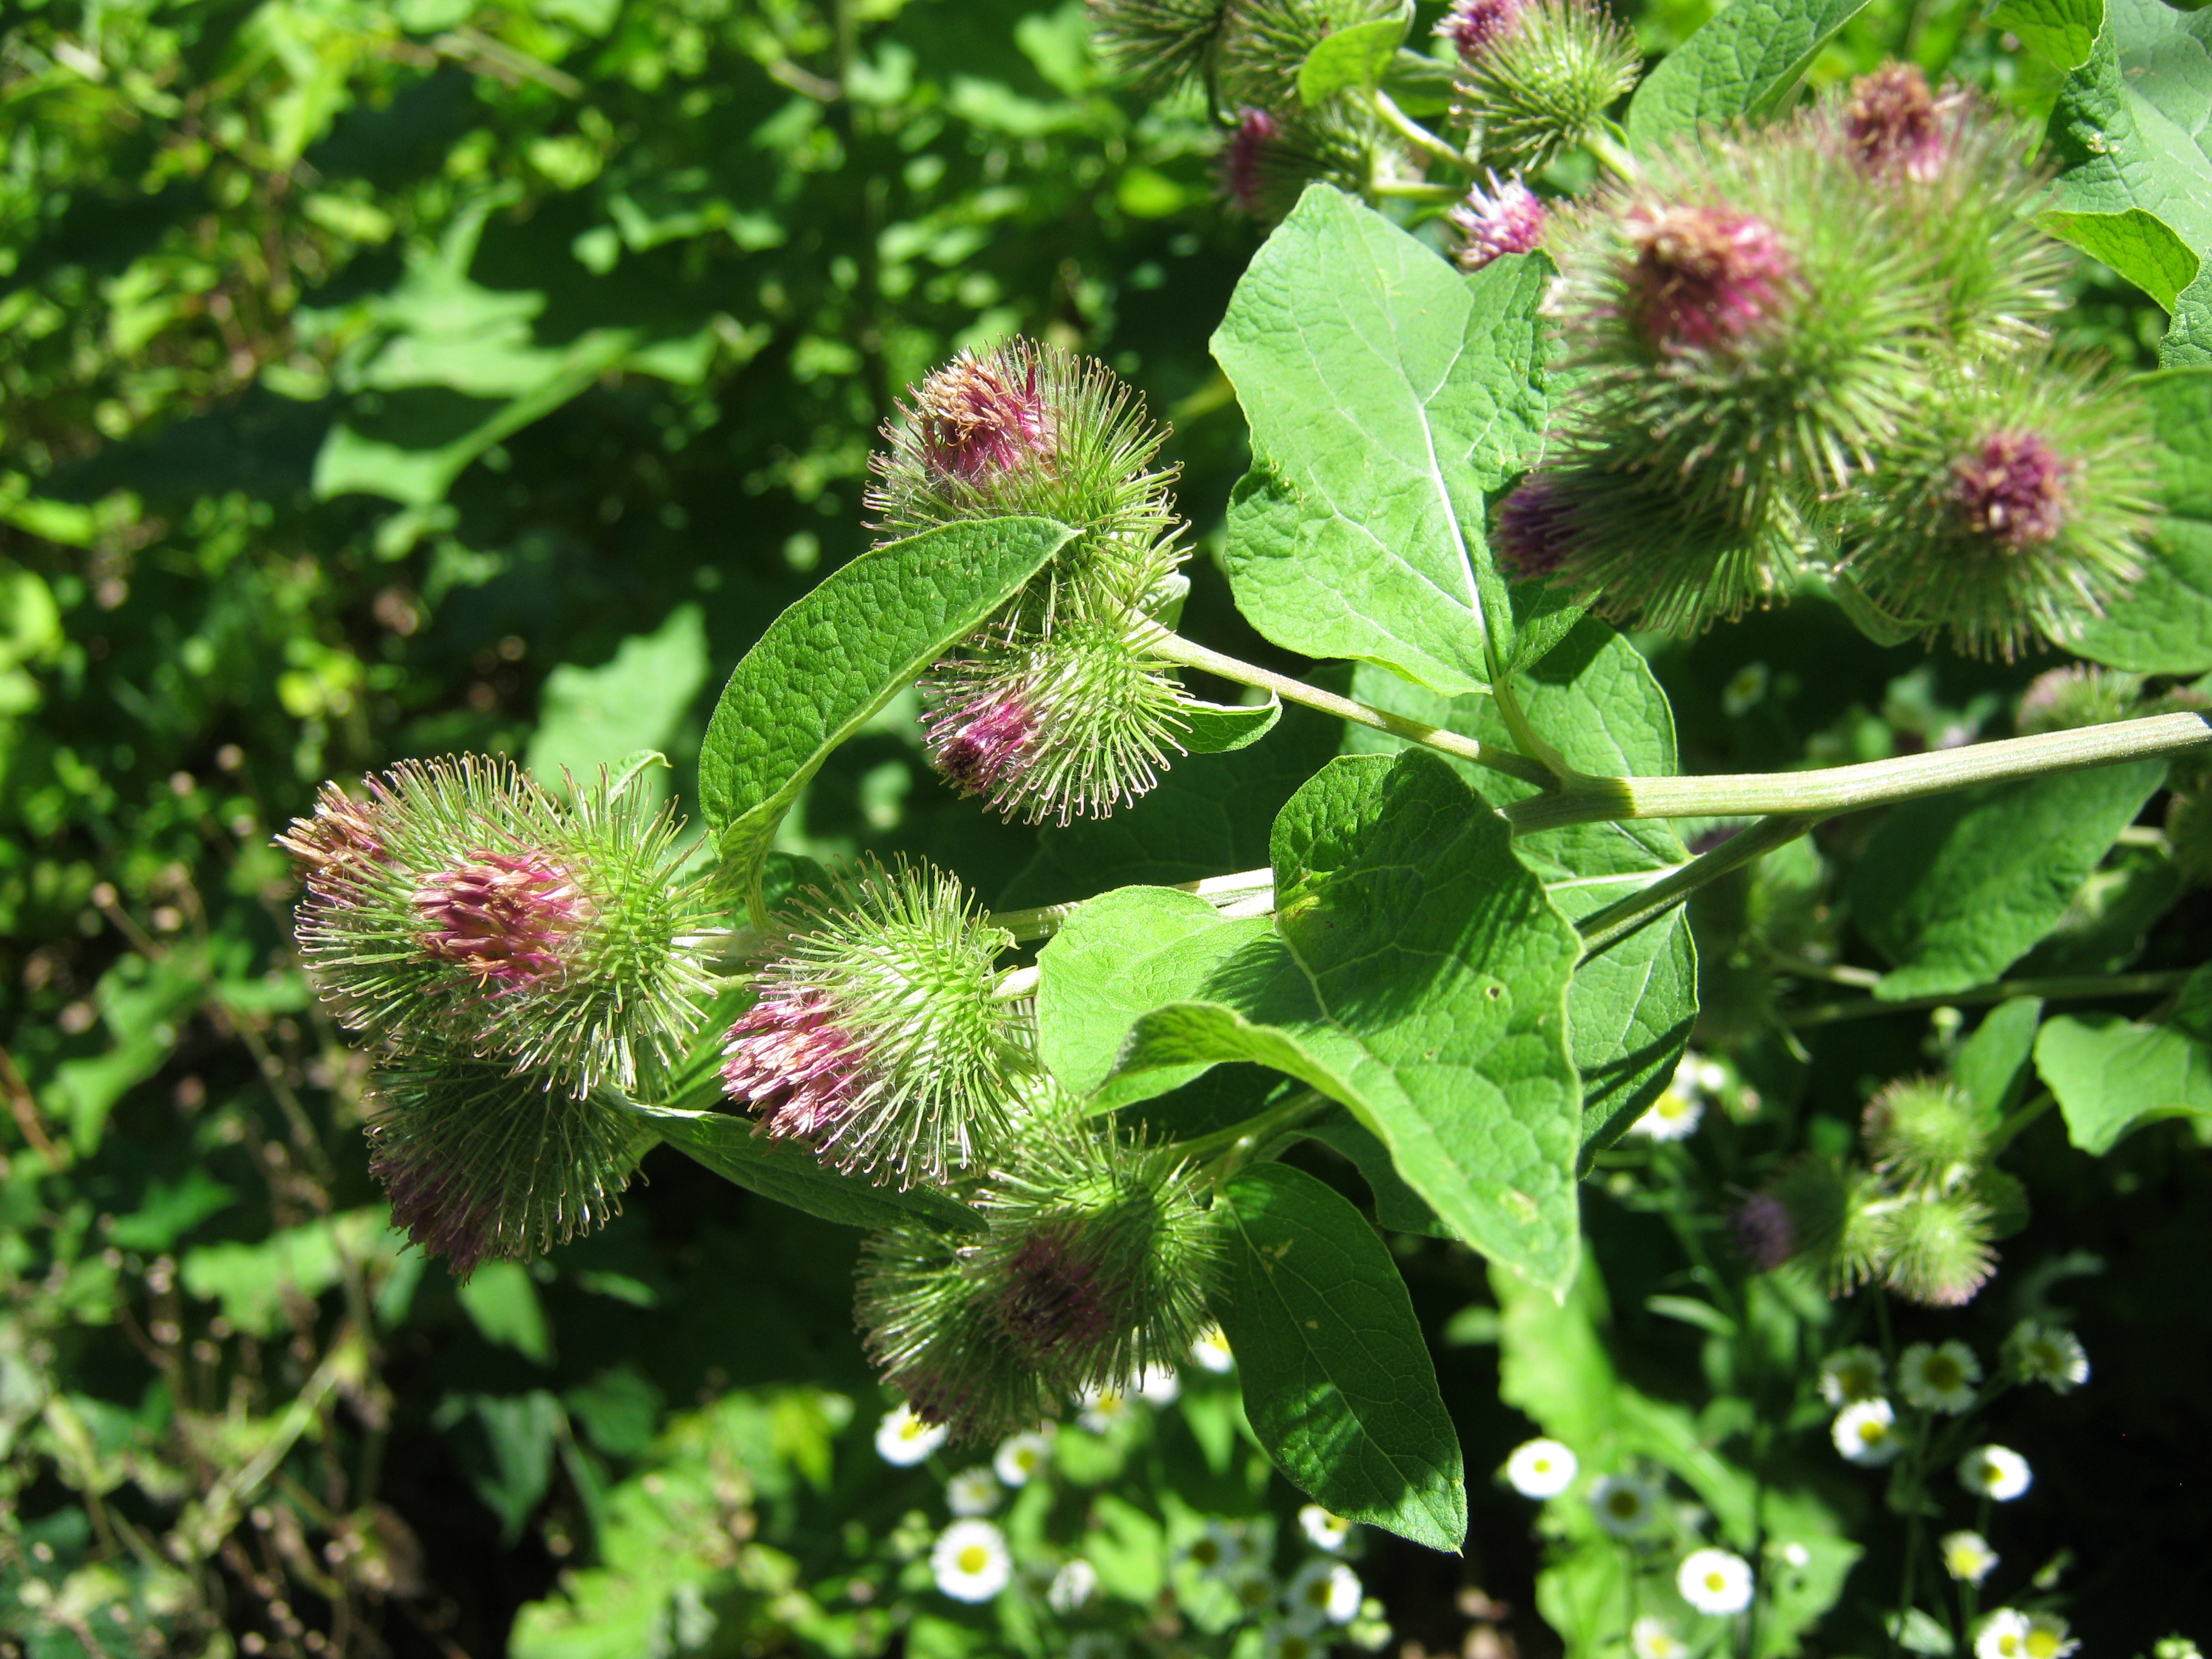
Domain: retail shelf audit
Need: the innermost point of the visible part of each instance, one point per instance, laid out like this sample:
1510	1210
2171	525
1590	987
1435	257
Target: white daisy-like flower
1717	1581
904	1439
2048	1355
1158	1386
2008	1633
1997	1473
972	1491
1866	1432
1073	1586
1289	1642
1850	1374
1253	1588
1938	1379
1967	1557
1218	1552
1624	1504
1323	1592
1022	1458
1209	1353
1655	1638
1795	1555
971	1562
1700	1075
1672	1116
1541	1468
1101	1407
1323	1531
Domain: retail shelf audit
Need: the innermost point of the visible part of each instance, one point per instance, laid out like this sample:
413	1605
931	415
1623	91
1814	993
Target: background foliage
392	381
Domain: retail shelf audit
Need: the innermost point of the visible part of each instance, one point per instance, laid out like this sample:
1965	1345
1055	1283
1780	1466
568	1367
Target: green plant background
386	381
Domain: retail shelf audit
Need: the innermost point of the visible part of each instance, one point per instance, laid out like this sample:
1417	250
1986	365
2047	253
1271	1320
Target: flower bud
464	909
1935	1248
482	1164
1263	44
1507	219
1702	277
2079	695
1156	44
2011	507
1269	157
1766	1232
1893	124
1926	1133
1537	78
876	1037
1068	726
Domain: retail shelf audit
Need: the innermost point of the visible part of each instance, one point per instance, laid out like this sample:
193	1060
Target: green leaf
1338	1383
2112	1075
2130	134
502	1304
1745	62
1386	392
595	717
1418	84
1955	888
2189	341
1397	1206
1992	1065
2163	624
1354	57
1214	728
1416	974
789	1174
2136	244
841	653
2061	31
1116	958
1632	1007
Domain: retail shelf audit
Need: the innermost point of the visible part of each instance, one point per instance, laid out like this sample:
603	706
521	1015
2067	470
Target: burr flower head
1703	275
1158	44
1244	161
1937	1248
1765	1232
876	1037
976	418
2079	695
1536	534
1536	76
1508	218
1926	1132
2009	490
1895	124
1263	44
986	743
480	1164
466	911
1474	26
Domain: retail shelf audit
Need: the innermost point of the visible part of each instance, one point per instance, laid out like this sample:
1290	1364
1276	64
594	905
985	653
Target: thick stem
1233	895
1617	920
1178	649
2077	989
1254	1132
1875	783
1414	133
1399	190
1609	145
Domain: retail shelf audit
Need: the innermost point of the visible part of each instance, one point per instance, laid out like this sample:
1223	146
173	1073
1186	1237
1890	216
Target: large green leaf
839	654
1386	392
2112	1075
2062	32
1632	1004
1357	56
1416	973
1743	62
2189	341
2163	624
2131	134
1955	888
1338	1383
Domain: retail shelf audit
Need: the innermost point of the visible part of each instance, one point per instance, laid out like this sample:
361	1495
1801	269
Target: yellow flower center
973	1559
2042	1643
1715	1582
1623	1504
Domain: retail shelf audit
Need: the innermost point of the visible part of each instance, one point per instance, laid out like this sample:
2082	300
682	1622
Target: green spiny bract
482	1165
1095	1266
876	1037
1158	44
1069	725
1924	1132
462	910
1269	157
1263	44
1028	428
1934	1246
2011	507
1539	77
2067	699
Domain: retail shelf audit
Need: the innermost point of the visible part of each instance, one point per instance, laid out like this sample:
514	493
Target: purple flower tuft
1702	277
985	742
2012	489
977	421
1243	161
1508	219
435	1205
507	918
1537	531
1766	1232
1474	26
1895	125
336	846
788	1059
1056	1297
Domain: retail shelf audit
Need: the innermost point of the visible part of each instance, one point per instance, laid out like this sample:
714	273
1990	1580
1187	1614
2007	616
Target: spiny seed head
1263	44
1536	534
481	1165
1926	1132
2012	507
978	419
1702	277
1508	218
1895	124
1156	44
1765	1232
1541	78
1936	1248
1474	26
1271	155
876	1037
1071	724
467	911
2079	695
1244	159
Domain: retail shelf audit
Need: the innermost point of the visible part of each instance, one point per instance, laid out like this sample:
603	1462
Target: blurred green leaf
1745	62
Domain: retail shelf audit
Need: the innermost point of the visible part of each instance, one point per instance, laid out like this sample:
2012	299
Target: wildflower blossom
1508	218
1625	1504
1322	1592
1021	1458
1997	1473
1715	1582
1474	25
1158	1385
1073	1586
1541	1468
1893	123
904	1439
2008	1633
2047	1354
970	1561
1766	1232
1967	1557
1655	1638
1323	1530
1865	1432
1209	1351
1217	1553
1102	1408
972	1491
1702	277
1940	1378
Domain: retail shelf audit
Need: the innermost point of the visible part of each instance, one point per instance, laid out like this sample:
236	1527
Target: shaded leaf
2162	624
2112	1075
1743	62
1356	57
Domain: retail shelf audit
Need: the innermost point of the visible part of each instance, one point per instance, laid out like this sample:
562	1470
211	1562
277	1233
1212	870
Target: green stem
1602	929
1609	145
2077	989
1414	133
1849	788
1256	1131
1178	649
1235	894
2009	1131
1401	190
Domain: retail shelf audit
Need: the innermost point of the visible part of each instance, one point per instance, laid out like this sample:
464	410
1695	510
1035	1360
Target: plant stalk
2077	989
1386	107
1602	929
